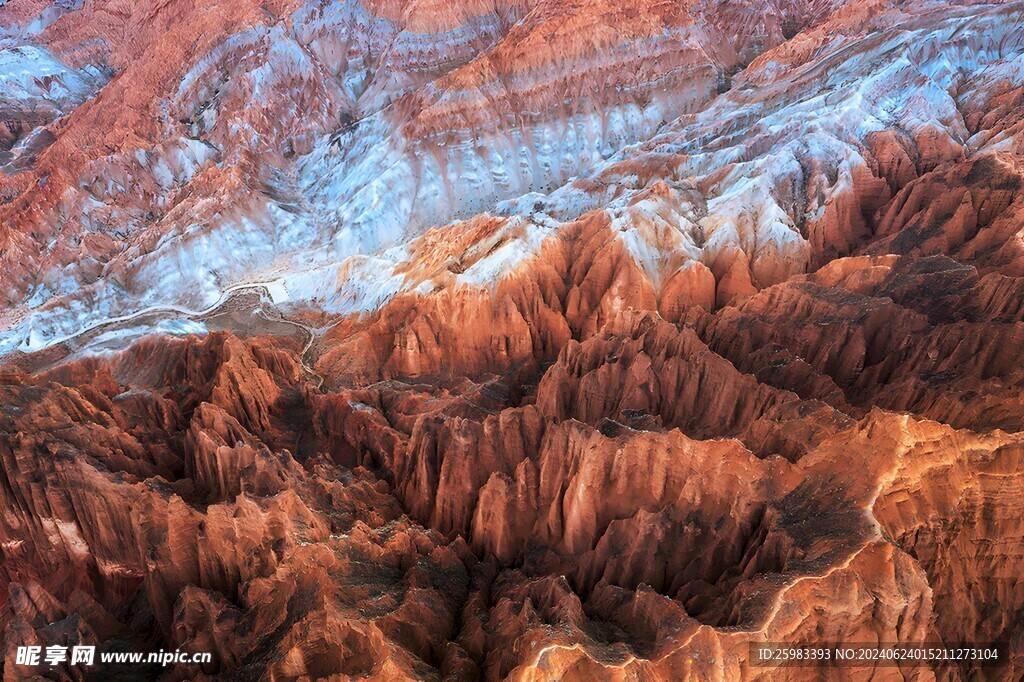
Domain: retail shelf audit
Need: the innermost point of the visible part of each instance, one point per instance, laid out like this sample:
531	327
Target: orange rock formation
525	339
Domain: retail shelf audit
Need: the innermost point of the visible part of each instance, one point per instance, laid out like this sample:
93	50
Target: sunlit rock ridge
525	339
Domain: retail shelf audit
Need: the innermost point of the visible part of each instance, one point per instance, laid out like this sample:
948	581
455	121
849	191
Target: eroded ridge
511	340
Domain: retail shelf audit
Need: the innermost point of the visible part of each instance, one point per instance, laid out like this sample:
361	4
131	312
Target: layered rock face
519	340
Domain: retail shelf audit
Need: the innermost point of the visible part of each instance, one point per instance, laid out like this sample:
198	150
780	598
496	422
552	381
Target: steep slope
279	133
486	339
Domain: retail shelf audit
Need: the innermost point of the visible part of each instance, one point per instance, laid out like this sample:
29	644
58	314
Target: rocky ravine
578	341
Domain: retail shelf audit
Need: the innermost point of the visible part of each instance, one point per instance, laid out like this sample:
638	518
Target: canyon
511	339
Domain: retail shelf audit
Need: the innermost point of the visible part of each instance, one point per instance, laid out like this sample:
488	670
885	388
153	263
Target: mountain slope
511	340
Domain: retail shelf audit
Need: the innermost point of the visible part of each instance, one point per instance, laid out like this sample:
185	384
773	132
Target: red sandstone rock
575	341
